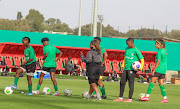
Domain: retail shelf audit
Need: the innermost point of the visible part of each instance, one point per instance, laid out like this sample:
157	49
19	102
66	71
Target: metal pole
101	18
141	33
92	17
95	18
129	31
80	18
166	31
153	33
0	7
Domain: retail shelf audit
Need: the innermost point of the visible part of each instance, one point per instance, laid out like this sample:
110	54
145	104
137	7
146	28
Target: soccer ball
46	90
85	93
141	95
136	65
8	90
67	92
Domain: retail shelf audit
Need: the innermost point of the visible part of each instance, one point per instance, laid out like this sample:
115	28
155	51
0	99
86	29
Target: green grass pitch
20	101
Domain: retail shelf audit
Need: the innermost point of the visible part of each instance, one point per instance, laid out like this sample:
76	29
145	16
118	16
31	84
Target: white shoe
36	92
56	93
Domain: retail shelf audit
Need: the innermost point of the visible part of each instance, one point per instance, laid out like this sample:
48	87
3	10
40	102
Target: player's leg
52	72
122	85
90	92
18	71
163	90
151	85
101	85
131	77
39	84
29	85
95	88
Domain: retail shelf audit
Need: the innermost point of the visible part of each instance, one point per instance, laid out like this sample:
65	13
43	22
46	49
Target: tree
36	19
50	21
19	16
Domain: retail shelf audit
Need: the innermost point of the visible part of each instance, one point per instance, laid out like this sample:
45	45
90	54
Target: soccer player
93	62
49	64
28	66
159	71
131	54
100	84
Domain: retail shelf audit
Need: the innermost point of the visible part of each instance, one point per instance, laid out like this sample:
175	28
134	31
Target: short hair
97	38
44	39
27	38
130	39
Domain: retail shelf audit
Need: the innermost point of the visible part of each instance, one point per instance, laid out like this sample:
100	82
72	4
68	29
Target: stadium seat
83	64
116	66
108	67
8	61
17	62
152	66
59	65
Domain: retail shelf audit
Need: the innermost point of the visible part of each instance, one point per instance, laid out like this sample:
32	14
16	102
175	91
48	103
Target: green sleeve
57	51
139	54
159	55
102	49
32	53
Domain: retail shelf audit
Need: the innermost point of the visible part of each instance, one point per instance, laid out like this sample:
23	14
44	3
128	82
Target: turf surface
20	101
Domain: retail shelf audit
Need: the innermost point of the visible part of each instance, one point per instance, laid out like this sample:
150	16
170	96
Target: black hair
44	39
96	44
130	39
161	42
27	38
69	58
97	38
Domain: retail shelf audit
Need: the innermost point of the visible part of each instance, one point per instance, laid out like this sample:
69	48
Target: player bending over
28	66
132	54
93	62
159	71
49	64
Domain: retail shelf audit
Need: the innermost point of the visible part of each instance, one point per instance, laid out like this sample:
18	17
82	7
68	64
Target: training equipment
136	65
8	90
67	92
46	90
85	93
140	96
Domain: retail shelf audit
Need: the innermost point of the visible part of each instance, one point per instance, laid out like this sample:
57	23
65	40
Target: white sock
130	99
165	97
147	95
120	97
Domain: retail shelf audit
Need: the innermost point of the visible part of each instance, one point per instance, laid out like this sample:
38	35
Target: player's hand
42	62
122	70
81	53
138	69
56	60
102	64
23	63
152	73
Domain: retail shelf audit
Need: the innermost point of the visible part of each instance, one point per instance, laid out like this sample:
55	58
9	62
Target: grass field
20	101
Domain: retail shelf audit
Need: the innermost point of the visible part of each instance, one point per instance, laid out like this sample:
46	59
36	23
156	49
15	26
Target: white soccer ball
85	93
8	90
46	90
67	92
141	95
136	65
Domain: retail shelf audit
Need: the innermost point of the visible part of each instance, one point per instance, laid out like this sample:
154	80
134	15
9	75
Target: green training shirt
50	59
131	55
29	53
161	55
103	51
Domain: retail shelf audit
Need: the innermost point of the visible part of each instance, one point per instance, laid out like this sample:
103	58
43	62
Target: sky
119	13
